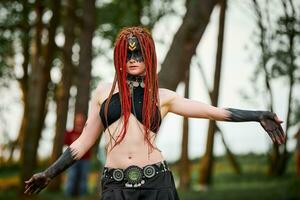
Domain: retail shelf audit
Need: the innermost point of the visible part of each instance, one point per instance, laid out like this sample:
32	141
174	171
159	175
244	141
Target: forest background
242	54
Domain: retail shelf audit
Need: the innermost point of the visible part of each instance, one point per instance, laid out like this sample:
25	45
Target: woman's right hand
36	183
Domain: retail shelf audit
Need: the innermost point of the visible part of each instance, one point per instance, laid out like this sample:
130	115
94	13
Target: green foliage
277	37
12	26
113	16
288	40
252	184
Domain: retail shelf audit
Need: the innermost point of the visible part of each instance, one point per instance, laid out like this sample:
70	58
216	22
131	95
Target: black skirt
159	187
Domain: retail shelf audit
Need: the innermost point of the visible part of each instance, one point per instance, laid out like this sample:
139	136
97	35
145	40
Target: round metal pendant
133	174
135	84
149	171
142	84
118	175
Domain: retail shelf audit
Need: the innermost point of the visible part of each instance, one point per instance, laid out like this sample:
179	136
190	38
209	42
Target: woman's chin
135	73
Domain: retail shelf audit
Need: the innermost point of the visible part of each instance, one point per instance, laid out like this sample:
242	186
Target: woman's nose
131	60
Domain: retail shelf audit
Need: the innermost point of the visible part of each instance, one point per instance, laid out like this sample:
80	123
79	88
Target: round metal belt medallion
133	174
118	174
149	171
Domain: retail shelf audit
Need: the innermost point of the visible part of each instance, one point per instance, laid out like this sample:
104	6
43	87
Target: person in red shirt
77	177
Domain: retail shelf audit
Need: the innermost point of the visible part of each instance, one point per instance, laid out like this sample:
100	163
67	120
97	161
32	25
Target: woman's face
136	68
134	60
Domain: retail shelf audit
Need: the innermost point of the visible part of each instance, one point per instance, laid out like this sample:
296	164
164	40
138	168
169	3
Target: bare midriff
133	149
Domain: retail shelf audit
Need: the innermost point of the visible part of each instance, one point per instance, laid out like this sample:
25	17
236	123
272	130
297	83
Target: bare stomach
133	150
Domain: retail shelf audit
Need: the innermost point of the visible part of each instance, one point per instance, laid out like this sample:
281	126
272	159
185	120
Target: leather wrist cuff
237	115
62	163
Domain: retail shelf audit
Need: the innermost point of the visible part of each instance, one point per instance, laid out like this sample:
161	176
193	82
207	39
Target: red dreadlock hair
151	99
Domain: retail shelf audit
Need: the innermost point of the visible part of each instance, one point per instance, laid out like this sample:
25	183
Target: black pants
159	187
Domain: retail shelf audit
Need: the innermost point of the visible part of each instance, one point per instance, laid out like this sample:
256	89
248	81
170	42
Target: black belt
135	176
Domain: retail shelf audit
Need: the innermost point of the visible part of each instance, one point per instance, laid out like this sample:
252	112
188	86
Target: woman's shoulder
102	90
166	94
103	86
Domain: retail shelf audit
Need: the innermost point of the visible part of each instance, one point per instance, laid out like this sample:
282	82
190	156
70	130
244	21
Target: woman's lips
133	66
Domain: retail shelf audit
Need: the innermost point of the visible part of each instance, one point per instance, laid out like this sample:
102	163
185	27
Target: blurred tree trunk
39	79
231	157
63	88
264	47
23	82
83	74
264	44
185	42
284	64
206	164
297	153
290	26
185	171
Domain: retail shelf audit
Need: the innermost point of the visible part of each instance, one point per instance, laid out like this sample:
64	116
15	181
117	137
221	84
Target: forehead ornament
131	45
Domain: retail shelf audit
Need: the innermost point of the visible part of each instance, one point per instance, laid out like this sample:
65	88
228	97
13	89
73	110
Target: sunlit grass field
252	184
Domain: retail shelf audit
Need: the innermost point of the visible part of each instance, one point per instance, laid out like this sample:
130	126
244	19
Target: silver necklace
135	81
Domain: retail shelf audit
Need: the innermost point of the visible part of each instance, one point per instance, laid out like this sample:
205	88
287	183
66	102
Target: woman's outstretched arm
74	152
191	108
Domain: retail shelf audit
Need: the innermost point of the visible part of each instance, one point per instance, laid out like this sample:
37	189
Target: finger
28	185
274	137
28	181
283	138
276	134
277	119
33	189
39	188
281	130
27	191
281	135
271	136
278	139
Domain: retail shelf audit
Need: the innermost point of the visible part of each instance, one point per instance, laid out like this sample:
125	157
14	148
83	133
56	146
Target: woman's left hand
36	183
271	123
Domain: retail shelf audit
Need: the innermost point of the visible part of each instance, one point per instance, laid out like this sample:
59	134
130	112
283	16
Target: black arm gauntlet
62	163
237	115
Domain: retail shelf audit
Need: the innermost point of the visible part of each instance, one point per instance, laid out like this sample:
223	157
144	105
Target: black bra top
114	109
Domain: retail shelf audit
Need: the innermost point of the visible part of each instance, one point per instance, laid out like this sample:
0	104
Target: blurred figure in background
77	178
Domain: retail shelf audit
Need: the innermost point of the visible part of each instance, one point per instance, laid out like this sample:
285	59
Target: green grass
252	184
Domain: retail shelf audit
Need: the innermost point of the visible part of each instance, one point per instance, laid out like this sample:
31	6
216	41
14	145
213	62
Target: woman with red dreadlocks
131	110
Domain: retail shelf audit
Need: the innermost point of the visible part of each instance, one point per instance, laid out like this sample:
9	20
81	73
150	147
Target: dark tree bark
185	42
206	163
83	77
63	88
39	79
230	155
297	153
185	171
266	55
291	35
